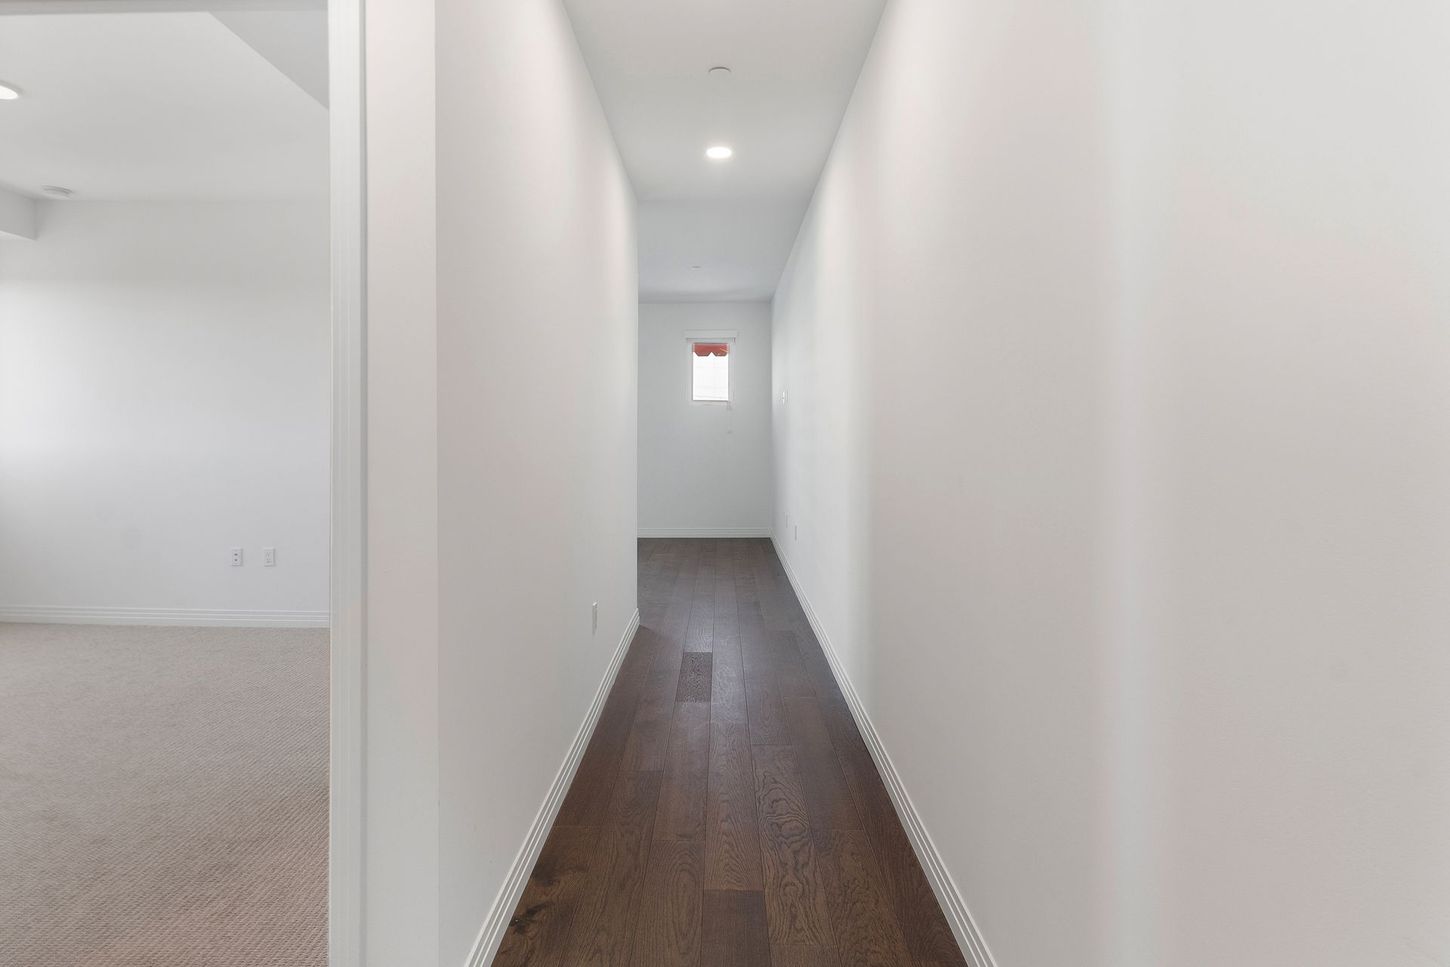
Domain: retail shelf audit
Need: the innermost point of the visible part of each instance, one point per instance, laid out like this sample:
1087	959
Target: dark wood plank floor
726	811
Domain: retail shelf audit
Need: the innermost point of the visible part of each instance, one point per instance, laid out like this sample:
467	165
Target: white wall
502	434
163	398
1118	438
704	468
400	753
1286	394
935	457
537	335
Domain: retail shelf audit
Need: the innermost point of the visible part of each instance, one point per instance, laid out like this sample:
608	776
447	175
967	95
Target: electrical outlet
236	557
797	532
269	557
595	617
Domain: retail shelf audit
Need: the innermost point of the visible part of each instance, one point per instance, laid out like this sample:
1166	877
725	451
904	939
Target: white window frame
711	335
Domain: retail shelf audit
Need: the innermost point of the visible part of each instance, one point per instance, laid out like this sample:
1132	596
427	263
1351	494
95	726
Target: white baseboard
497	921
648	532
969	938
185	617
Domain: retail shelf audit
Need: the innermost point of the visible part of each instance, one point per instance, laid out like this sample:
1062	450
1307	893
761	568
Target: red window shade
711	348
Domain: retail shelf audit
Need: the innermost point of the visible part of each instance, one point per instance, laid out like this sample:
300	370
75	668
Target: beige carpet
163	797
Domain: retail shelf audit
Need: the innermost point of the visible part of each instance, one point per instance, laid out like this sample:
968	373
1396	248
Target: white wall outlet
269	557
595	618
236	557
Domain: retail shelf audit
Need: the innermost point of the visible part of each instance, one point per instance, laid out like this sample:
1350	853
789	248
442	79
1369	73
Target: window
711	372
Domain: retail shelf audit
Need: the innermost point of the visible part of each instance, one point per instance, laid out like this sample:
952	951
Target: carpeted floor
163	797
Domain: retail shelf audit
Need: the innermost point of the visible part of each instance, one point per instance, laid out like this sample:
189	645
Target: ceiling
165	106
793	64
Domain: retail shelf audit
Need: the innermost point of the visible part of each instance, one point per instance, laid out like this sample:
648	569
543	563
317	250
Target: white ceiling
793	66
161	106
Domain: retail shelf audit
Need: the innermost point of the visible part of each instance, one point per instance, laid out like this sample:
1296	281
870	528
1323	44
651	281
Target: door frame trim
347	728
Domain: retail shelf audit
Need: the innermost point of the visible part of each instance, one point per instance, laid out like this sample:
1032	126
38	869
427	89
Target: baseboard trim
497	921
969	937
185	617
656	532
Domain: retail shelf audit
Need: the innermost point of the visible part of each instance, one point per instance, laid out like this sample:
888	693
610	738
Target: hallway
727	810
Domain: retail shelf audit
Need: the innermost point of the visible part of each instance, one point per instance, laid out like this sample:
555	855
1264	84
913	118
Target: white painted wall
537	335
502	434
704	468
163	398
400	755
1285	236
1118	437
937	450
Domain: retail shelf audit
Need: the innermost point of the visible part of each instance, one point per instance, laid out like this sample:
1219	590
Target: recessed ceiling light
56	191
8	93
719	72
697	266
719	152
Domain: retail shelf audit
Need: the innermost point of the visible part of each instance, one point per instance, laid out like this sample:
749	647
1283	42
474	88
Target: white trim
497	921
655	532
711	335
186	617
346	873
969	937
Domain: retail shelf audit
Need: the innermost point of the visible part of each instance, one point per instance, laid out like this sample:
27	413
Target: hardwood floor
727	811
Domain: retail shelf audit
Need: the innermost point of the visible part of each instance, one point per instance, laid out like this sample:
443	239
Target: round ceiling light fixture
719	152
56	191
8	93
719	72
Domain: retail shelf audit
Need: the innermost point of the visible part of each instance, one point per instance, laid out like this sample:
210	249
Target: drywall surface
1285	342
1117	435
502	325
164	378
401	832
704	468
537	341
936	451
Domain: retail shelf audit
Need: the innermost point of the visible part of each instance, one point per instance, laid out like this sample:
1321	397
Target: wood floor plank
928	935
676	621
741	799
733	929
645	550
782	955
807	723
827	795
594	780
649	734
724	608
862	918
668	932
755	650
790	672
701	630
536	933
795	899
767	715
728	705
732	839
682	793
694	684
602	933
